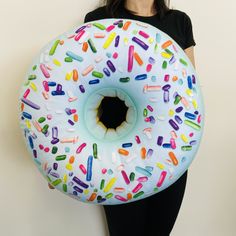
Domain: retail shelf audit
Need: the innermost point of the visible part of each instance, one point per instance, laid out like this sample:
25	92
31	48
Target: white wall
27	207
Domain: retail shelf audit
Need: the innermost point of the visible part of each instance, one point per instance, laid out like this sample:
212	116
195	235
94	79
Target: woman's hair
112	6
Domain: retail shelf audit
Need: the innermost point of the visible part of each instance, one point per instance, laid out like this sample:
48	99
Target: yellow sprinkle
109	185
86	191
68	166
189	92
171	112
68	76
166	55
56	62
33	86
160	165
184	138
126	41
65	178
151	40
195	105
109	40
28	124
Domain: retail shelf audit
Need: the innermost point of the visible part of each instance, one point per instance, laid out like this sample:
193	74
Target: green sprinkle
120	25
125	79
54	150
99	26
34	67
68	59
45	129
109	195
41	119
164	65
145	112
138	194
155	189
156	48
54	47
64	186
169	52
186	148
48	178
102	184
56	182
183	62
95	151
32	77
132	176
97	74
177	99
60	157
192	124
92	46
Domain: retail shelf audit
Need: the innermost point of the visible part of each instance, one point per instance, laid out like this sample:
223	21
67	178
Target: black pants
152	216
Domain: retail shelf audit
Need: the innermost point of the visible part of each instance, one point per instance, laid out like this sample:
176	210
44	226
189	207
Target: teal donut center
110	114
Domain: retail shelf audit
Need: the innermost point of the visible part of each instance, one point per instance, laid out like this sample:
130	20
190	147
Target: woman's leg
127	219
164	207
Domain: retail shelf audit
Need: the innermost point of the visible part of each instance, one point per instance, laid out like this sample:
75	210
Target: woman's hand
190	53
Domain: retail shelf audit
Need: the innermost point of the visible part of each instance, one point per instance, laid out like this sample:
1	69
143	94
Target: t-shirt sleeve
189	38
88	17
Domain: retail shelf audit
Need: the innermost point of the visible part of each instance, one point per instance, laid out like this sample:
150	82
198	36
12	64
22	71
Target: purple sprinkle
78	189
35	153
159	140
71	122
80	182
49	170
59	88
193	79
140	43
179	109
29	103
178	119
117	40
54	174
81	88
151	60
81	28
166	96
55	166
166	87
54	132
194	142
173	124
111	66
68	111
117	22
107	72
172	60
55	141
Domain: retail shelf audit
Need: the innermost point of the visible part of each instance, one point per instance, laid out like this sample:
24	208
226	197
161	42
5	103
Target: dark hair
112	6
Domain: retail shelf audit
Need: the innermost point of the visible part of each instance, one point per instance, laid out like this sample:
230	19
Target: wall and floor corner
29	208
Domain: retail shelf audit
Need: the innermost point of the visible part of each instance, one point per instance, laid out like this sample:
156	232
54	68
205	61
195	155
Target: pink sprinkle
166	78
41	147
149	108
26	93
46	149
110	28
104	170
143	34
149	67
191	134
115	55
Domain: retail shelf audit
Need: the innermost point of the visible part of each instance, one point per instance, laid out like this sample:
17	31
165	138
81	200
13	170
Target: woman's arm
190	53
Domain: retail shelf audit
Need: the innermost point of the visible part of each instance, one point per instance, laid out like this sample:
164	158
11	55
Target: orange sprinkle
175	78
166	44
92	197
22	106
61	42
75	118
129	196
85	47
173	158
72	159
143	153
138	58
123	152
126	25
75	75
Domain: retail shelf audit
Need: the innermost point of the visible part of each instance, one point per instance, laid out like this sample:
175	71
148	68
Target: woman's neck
141	7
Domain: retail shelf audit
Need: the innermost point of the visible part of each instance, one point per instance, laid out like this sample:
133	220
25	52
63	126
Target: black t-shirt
175	23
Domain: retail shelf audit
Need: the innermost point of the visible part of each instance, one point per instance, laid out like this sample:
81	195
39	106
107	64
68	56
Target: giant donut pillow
112	112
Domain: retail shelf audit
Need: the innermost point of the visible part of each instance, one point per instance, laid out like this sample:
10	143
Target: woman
154	215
